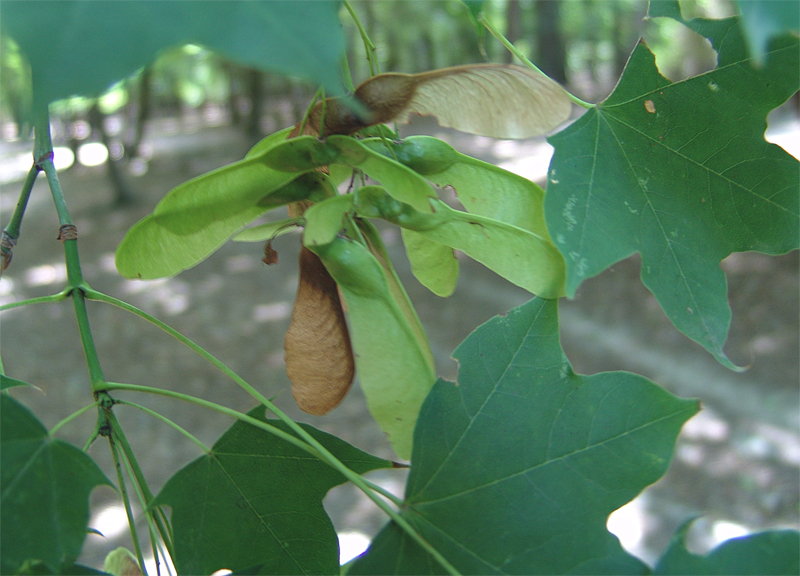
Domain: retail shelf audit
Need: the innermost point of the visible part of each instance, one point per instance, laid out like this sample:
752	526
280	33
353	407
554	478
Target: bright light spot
92	154
110	522
107	262
723	530
351	544
272	312
63	157
6	286
706	426
175	304
627	524
222	572
44	275
242	263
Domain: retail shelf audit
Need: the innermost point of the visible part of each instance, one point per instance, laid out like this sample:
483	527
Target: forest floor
736	463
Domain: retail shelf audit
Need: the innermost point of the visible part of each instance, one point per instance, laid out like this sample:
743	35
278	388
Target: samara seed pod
318	354
495	100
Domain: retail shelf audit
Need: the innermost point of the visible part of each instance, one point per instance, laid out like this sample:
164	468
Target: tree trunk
550	48
513	26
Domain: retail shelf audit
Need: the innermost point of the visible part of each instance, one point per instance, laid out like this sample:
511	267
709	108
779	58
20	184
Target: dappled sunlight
45	275
111	521
351	544
272	312
92	154
629	525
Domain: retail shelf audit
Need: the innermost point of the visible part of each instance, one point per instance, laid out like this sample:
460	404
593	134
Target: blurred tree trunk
550	47
255	92
143	111
122	194
513	26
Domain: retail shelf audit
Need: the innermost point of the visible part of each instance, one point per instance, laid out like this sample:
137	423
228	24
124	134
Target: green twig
127	502
168	422
516	52
10	233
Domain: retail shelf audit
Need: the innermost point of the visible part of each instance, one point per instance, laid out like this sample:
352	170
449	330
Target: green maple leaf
45	486
680	172
517	466
256	500
81	48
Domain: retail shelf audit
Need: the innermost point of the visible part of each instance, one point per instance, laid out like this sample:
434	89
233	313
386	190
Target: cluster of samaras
494	100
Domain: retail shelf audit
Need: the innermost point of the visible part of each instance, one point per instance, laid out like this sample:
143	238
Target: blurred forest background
191	111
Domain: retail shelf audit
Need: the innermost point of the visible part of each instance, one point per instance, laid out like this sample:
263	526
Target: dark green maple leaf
517	466
45	486
680	172
77	47
773	552
256	500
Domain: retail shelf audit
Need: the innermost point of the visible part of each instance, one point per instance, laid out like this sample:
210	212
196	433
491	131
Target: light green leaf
324	220
394	369
482	188
308	153
268	231
517	466
774	552
517	255
199	216
45	485
681	173
268	142
255	499
433	264
81	48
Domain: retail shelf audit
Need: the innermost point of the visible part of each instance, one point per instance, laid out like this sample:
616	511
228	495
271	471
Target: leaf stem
127	502
140	479
516	52
369	47
346	75
166	421
71	417
39	300
310	445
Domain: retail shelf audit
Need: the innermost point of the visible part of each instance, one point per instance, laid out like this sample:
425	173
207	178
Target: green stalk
40	300
168	422
321	451
235	414
127	502
11	232
139	477
346	76
71	417
369	47
515	51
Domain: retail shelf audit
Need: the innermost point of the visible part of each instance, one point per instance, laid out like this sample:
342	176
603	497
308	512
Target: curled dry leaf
319	357
495	100
270	254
